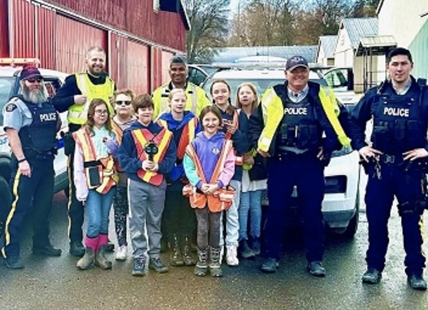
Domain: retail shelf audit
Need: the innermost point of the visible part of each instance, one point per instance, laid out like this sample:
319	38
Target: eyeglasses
101	112
120	102
34	80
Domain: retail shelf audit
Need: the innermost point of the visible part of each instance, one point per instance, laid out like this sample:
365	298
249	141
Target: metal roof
231	54
328	44
358	28
378	45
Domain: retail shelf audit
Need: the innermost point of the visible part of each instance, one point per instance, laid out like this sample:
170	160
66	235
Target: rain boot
244	249
215	266
88	258
176	259
187	252
100	259
201	267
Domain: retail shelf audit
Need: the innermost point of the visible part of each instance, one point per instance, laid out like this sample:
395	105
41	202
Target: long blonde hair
256	98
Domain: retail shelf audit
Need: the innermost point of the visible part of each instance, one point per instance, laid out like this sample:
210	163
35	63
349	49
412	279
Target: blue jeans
251	202
232	218
98	210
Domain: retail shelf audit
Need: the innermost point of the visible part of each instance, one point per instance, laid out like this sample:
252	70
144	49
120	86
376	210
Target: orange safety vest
105	166
239	160
162	140
220	200
187	135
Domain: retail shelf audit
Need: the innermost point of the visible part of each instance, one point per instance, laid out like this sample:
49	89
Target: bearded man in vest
74	96
297	127
178	72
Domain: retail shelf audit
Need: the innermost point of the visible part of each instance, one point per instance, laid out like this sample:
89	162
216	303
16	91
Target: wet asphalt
55	283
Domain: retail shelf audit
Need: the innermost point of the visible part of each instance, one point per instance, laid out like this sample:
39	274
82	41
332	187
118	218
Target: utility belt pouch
400	132
290	138
69	143
303	137
380	136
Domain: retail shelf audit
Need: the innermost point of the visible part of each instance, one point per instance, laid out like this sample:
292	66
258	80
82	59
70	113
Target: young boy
147	153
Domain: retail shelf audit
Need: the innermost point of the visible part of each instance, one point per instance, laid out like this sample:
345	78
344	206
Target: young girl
122	120
253	181
95	179
209	164
235	125
178	217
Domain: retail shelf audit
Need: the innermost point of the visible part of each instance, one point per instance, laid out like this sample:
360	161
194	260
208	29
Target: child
147	154
253	181
209	164
95	179
235	126
179	218
122	120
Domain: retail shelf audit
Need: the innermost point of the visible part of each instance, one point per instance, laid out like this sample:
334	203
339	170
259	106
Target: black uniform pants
379	198
307	173
75	207
33	195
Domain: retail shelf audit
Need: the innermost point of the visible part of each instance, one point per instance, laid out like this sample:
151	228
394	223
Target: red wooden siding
156	63
73	39
138	72
166	56
45	37
23	32
4	29
118	56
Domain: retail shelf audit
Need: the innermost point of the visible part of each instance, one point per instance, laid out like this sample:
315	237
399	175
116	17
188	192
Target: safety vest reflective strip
165	137
187	136
107	174
329	104
77	114
164	99
118	130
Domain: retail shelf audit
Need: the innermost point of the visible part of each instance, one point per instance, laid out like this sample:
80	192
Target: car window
336	78
196	76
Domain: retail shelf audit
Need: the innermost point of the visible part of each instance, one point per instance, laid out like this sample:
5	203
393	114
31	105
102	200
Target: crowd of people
181	170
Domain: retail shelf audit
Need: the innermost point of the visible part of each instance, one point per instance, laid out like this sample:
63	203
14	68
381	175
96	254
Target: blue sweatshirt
129	159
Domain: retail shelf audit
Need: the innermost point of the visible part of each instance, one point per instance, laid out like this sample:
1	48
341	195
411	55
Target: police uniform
37	126
196	98
399	125
92	87
291	129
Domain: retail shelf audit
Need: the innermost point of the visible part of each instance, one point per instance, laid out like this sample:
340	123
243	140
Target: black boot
176	259
188	258
215	266
244	249
255	245
201	267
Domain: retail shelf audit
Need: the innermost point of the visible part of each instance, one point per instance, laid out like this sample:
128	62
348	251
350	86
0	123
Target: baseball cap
30	73
296	61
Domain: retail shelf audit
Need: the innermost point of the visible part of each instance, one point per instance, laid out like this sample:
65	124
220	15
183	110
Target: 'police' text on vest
296	111
401	112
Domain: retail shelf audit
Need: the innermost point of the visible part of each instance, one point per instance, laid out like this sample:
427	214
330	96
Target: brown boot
100	259
176	258
188	258
87	260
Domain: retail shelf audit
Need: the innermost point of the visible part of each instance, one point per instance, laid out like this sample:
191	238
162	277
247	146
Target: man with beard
31	123
196	97
74	96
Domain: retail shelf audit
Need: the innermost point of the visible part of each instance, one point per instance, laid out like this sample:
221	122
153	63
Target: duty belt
390	159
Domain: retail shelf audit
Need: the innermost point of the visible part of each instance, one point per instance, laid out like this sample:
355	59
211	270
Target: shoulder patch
11	107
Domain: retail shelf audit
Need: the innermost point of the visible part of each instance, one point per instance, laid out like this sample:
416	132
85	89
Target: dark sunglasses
34	80
120	102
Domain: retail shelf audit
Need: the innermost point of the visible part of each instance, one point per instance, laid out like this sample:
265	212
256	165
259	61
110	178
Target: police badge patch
10	107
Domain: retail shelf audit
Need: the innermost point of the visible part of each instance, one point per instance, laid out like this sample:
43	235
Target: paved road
54	283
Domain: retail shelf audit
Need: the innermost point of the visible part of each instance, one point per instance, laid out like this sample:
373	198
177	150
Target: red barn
139	36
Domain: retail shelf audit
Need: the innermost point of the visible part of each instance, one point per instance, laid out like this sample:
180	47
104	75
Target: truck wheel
352	228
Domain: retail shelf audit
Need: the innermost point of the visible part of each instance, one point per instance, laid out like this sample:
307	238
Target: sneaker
372	276
221	254
269	265
157	265
232	256
14	262
316	269
47	250
417	282
139	269
121	253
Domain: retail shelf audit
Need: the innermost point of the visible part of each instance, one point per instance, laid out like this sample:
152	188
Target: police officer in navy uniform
288	127
393	159
31	123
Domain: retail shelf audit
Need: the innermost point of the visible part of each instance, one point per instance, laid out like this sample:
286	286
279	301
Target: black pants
33	195
208	228
179	217
121	207
75	207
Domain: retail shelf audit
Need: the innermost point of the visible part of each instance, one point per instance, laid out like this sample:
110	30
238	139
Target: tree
365	8
209	28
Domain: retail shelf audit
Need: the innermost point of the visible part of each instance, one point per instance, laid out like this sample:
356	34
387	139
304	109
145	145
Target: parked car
341	203
341	80
197	73
10	86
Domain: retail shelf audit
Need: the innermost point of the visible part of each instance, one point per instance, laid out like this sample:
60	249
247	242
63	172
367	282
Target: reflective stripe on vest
187	135
77	113
105	168
162	140
191	94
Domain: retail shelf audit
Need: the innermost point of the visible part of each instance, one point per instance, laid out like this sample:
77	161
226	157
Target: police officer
178	72
31	123
74	96
399	108
288	127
